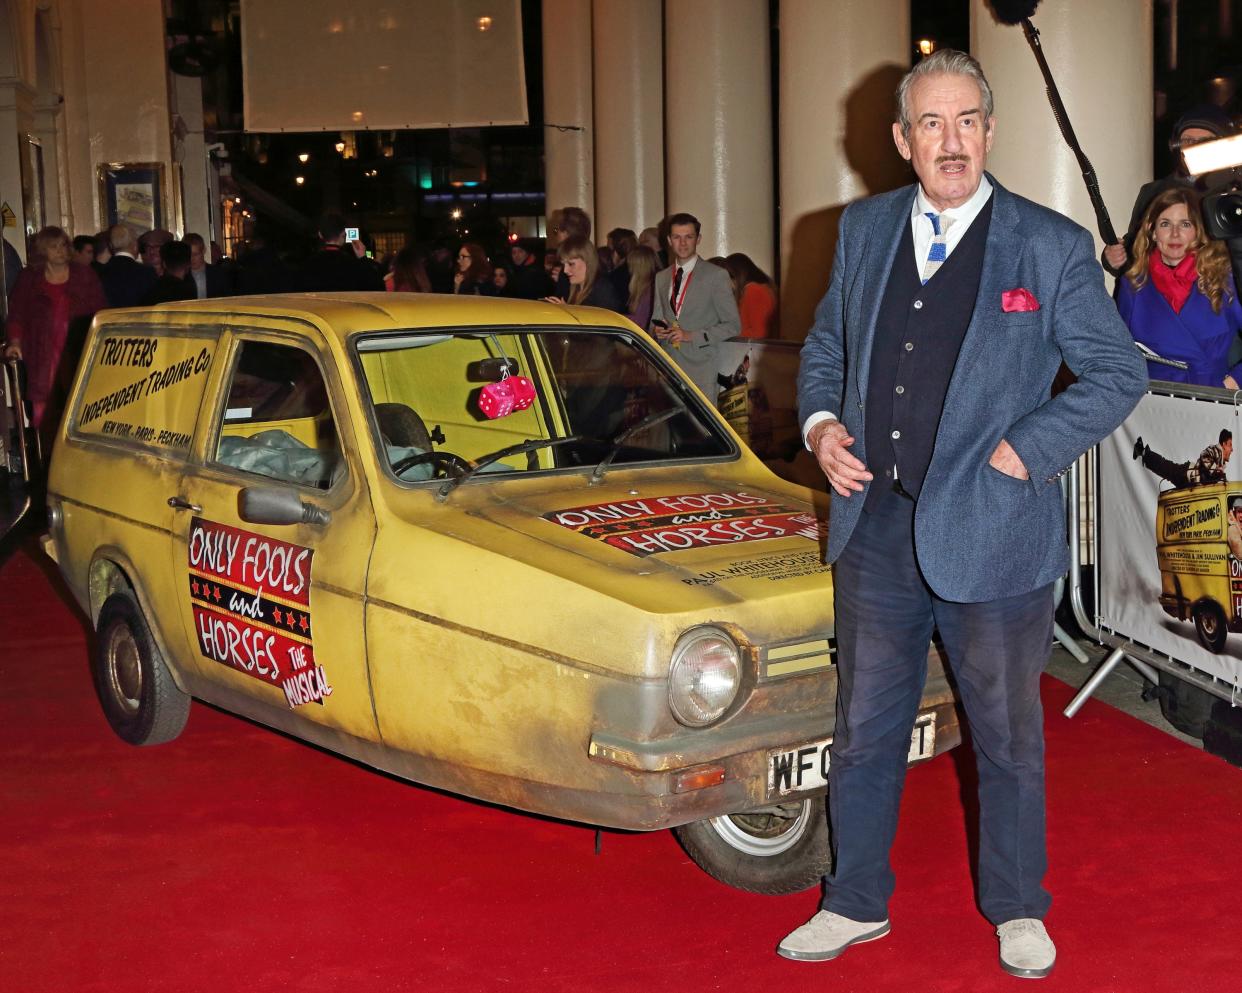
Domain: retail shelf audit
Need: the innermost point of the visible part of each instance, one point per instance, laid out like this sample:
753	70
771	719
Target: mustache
942	159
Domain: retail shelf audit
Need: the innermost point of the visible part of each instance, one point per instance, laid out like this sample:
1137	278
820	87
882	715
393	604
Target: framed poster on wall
132	193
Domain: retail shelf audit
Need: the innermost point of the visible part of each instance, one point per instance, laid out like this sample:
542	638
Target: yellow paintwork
1192	551
471	643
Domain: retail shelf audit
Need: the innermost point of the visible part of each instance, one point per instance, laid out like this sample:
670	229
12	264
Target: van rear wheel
1210	626
782	848
139	698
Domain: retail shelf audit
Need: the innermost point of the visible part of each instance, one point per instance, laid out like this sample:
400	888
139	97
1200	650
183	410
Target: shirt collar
964	214
688	265
128	255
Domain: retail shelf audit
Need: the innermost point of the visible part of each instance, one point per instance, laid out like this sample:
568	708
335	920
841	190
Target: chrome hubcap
768	832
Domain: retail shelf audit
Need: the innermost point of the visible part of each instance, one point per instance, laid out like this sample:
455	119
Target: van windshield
448	404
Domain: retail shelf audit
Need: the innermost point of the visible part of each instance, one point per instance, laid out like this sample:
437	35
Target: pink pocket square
1018	301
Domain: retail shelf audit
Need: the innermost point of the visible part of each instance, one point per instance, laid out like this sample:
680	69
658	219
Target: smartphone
351	234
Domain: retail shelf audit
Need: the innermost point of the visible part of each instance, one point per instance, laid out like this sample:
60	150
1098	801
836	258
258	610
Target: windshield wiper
647	422
519	449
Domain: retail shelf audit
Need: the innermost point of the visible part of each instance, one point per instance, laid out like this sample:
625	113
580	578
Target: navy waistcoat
918	334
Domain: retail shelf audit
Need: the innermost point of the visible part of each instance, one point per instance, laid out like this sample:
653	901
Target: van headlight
704	676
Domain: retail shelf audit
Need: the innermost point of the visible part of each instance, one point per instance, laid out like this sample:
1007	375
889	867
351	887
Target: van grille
796	657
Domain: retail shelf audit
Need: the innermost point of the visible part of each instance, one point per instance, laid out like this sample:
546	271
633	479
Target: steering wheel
444	464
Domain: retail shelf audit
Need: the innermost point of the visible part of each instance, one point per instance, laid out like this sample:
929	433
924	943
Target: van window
595	397
277	421
144	388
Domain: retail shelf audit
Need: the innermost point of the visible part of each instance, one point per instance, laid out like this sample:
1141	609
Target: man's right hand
1115	255
830	442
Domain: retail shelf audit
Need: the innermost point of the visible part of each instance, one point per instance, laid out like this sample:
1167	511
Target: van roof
347	313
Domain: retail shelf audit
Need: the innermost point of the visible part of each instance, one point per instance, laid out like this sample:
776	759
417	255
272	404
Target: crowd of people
52	300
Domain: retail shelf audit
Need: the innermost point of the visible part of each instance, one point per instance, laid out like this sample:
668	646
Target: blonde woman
1178	296
586	287
643	264
51	305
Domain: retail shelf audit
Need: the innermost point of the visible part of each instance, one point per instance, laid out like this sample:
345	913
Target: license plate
792	770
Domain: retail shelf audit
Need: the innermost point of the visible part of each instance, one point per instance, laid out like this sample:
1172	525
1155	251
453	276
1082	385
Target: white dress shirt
921	228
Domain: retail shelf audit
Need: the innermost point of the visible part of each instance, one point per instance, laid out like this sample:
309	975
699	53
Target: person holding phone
694	308
335	266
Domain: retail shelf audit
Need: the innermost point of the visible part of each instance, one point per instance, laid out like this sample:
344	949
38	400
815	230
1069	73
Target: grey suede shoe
827	935
1026	950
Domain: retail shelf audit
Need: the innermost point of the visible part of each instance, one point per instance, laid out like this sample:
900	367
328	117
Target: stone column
718	122
569	127
840	64
629	121
1105	80
190	151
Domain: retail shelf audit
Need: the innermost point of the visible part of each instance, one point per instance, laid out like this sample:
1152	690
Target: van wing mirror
276	505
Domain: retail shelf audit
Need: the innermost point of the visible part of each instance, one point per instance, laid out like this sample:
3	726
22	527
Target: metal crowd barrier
1084	503
15	500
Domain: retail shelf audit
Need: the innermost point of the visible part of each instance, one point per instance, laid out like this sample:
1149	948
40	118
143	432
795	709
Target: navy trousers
885	614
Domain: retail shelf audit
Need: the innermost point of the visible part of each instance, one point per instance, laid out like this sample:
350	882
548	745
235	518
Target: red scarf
1175	283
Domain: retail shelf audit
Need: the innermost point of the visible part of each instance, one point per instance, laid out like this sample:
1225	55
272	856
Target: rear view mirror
491	370
272	505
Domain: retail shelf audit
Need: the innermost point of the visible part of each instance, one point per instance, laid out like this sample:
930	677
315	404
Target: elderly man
126	281
924	396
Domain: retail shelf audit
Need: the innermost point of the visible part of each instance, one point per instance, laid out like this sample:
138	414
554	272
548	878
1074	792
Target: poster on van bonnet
1170	532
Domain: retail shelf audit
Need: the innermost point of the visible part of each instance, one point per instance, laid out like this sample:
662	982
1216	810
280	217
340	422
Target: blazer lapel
883	241
1002	263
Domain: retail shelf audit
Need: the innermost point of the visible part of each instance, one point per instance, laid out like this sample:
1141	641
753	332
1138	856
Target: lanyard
681	297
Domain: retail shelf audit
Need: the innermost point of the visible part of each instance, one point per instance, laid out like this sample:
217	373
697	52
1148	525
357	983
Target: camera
1222	203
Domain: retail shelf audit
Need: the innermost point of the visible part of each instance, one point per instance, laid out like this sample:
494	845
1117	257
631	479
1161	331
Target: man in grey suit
924	393
694	307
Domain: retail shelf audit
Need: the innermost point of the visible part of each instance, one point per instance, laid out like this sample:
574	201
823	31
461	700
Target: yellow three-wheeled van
1200	577
499	547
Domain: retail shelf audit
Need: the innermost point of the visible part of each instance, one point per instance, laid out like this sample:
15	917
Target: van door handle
181	503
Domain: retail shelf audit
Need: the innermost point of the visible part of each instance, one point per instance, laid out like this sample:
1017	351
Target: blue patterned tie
939	250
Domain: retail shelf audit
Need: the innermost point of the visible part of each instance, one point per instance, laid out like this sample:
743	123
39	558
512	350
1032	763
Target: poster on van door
250	597
1170	532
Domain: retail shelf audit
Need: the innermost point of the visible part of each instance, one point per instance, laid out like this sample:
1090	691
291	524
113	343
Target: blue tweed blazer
979	534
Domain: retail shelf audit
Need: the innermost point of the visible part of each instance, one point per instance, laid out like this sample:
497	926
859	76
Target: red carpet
236	859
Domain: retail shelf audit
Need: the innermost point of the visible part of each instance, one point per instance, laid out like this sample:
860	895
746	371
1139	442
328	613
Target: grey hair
947	61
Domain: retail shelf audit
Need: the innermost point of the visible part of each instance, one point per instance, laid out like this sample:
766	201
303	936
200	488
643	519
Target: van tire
1210	625
783	849
137	692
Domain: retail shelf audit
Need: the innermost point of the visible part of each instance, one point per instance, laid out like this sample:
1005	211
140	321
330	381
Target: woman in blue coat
1178	296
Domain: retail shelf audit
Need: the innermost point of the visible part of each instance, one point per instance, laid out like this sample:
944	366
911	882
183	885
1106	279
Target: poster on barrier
1169	515
760	401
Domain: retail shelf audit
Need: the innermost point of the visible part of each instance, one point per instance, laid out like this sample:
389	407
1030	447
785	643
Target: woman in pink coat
49	310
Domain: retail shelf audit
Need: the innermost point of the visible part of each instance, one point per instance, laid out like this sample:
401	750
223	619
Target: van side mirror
273	505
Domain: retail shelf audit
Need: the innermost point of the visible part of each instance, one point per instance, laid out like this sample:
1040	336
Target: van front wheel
1210	626
778	849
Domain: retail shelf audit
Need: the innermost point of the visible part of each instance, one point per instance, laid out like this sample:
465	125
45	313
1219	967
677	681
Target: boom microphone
1019	12
1014	11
